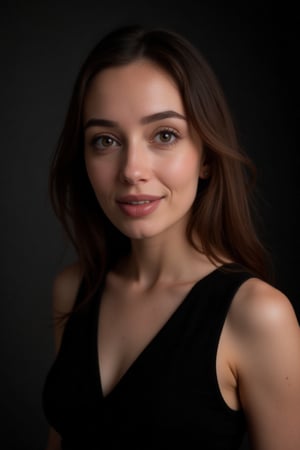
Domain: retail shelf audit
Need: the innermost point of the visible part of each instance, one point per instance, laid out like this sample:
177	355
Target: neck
164	259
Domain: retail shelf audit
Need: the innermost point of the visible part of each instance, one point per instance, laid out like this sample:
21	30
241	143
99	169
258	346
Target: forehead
139	88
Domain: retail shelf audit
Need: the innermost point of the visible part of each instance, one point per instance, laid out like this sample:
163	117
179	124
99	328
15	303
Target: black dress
169	397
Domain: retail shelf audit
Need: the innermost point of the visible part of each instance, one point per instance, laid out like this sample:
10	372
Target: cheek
182	171
99	175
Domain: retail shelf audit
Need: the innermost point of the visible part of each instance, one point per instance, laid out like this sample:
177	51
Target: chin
139	233
138	236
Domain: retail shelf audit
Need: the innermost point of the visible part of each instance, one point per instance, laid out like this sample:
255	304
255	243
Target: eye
166	136
104	141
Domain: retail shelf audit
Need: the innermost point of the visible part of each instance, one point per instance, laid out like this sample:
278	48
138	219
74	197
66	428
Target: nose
135	164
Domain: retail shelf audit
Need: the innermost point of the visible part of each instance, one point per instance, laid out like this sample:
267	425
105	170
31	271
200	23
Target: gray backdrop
253	49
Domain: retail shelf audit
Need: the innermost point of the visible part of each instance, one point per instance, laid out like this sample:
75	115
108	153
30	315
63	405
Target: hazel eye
166	137
104	142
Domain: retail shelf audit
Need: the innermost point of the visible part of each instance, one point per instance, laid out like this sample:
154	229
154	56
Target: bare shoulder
259	306
65	286
266	340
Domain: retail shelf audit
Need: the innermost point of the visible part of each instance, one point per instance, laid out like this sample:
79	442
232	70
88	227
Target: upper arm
268	367
65	288
54	441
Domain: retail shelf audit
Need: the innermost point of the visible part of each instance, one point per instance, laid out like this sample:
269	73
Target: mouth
138	205
138	199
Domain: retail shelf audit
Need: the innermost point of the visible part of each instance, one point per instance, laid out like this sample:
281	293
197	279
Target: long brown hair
221	214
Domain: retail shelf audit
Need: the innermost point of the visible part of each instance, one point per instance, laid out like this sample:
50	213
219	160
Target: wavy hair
222	213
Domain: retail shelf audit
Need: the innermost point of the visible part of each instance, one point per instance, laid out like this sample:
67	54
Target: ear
204	171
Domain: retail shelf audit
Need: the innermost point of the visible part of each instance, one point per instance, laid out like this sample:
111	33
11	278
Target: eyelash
170	131
104	136
174	134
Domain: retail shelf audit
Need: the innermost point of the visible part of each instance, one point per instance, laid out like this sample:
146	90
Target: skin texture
142	158
258	358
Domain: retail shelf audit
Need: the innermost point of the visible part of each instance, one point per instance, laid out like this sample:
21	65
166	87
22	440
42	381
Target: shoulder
266	341
258	306
65	287
265	332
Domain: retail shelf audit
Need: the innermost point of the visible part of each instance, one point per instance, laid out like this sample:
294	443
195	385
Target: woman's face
142	158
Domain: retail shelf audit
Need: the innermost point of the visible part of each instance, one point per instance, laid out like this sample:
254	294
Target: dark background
254	50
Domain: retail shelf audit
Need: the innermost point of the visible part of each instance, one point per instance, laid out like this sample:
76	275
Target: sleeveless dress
168	398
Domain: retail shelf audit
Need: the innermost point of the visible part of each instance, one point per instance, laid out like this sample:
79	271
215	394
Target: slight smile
138	205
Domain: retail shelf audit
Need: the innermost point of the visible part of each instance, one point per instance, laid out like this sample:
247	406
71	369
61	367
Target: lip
138	198
138	205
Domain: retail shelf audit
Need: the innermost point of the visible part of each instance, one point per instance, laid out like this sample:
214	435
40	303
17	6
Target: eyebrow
144	120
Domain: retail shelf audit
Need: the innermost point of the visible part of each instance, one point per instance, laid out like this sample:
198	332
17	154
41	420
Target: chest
139	381
128	325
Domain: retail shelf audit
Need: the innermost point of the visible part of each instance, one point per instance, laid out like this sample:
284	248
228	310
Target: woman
172	335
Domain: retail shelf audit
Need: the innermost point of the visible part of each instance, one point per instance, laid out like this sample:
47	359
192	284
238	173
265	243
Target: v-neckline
151	343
